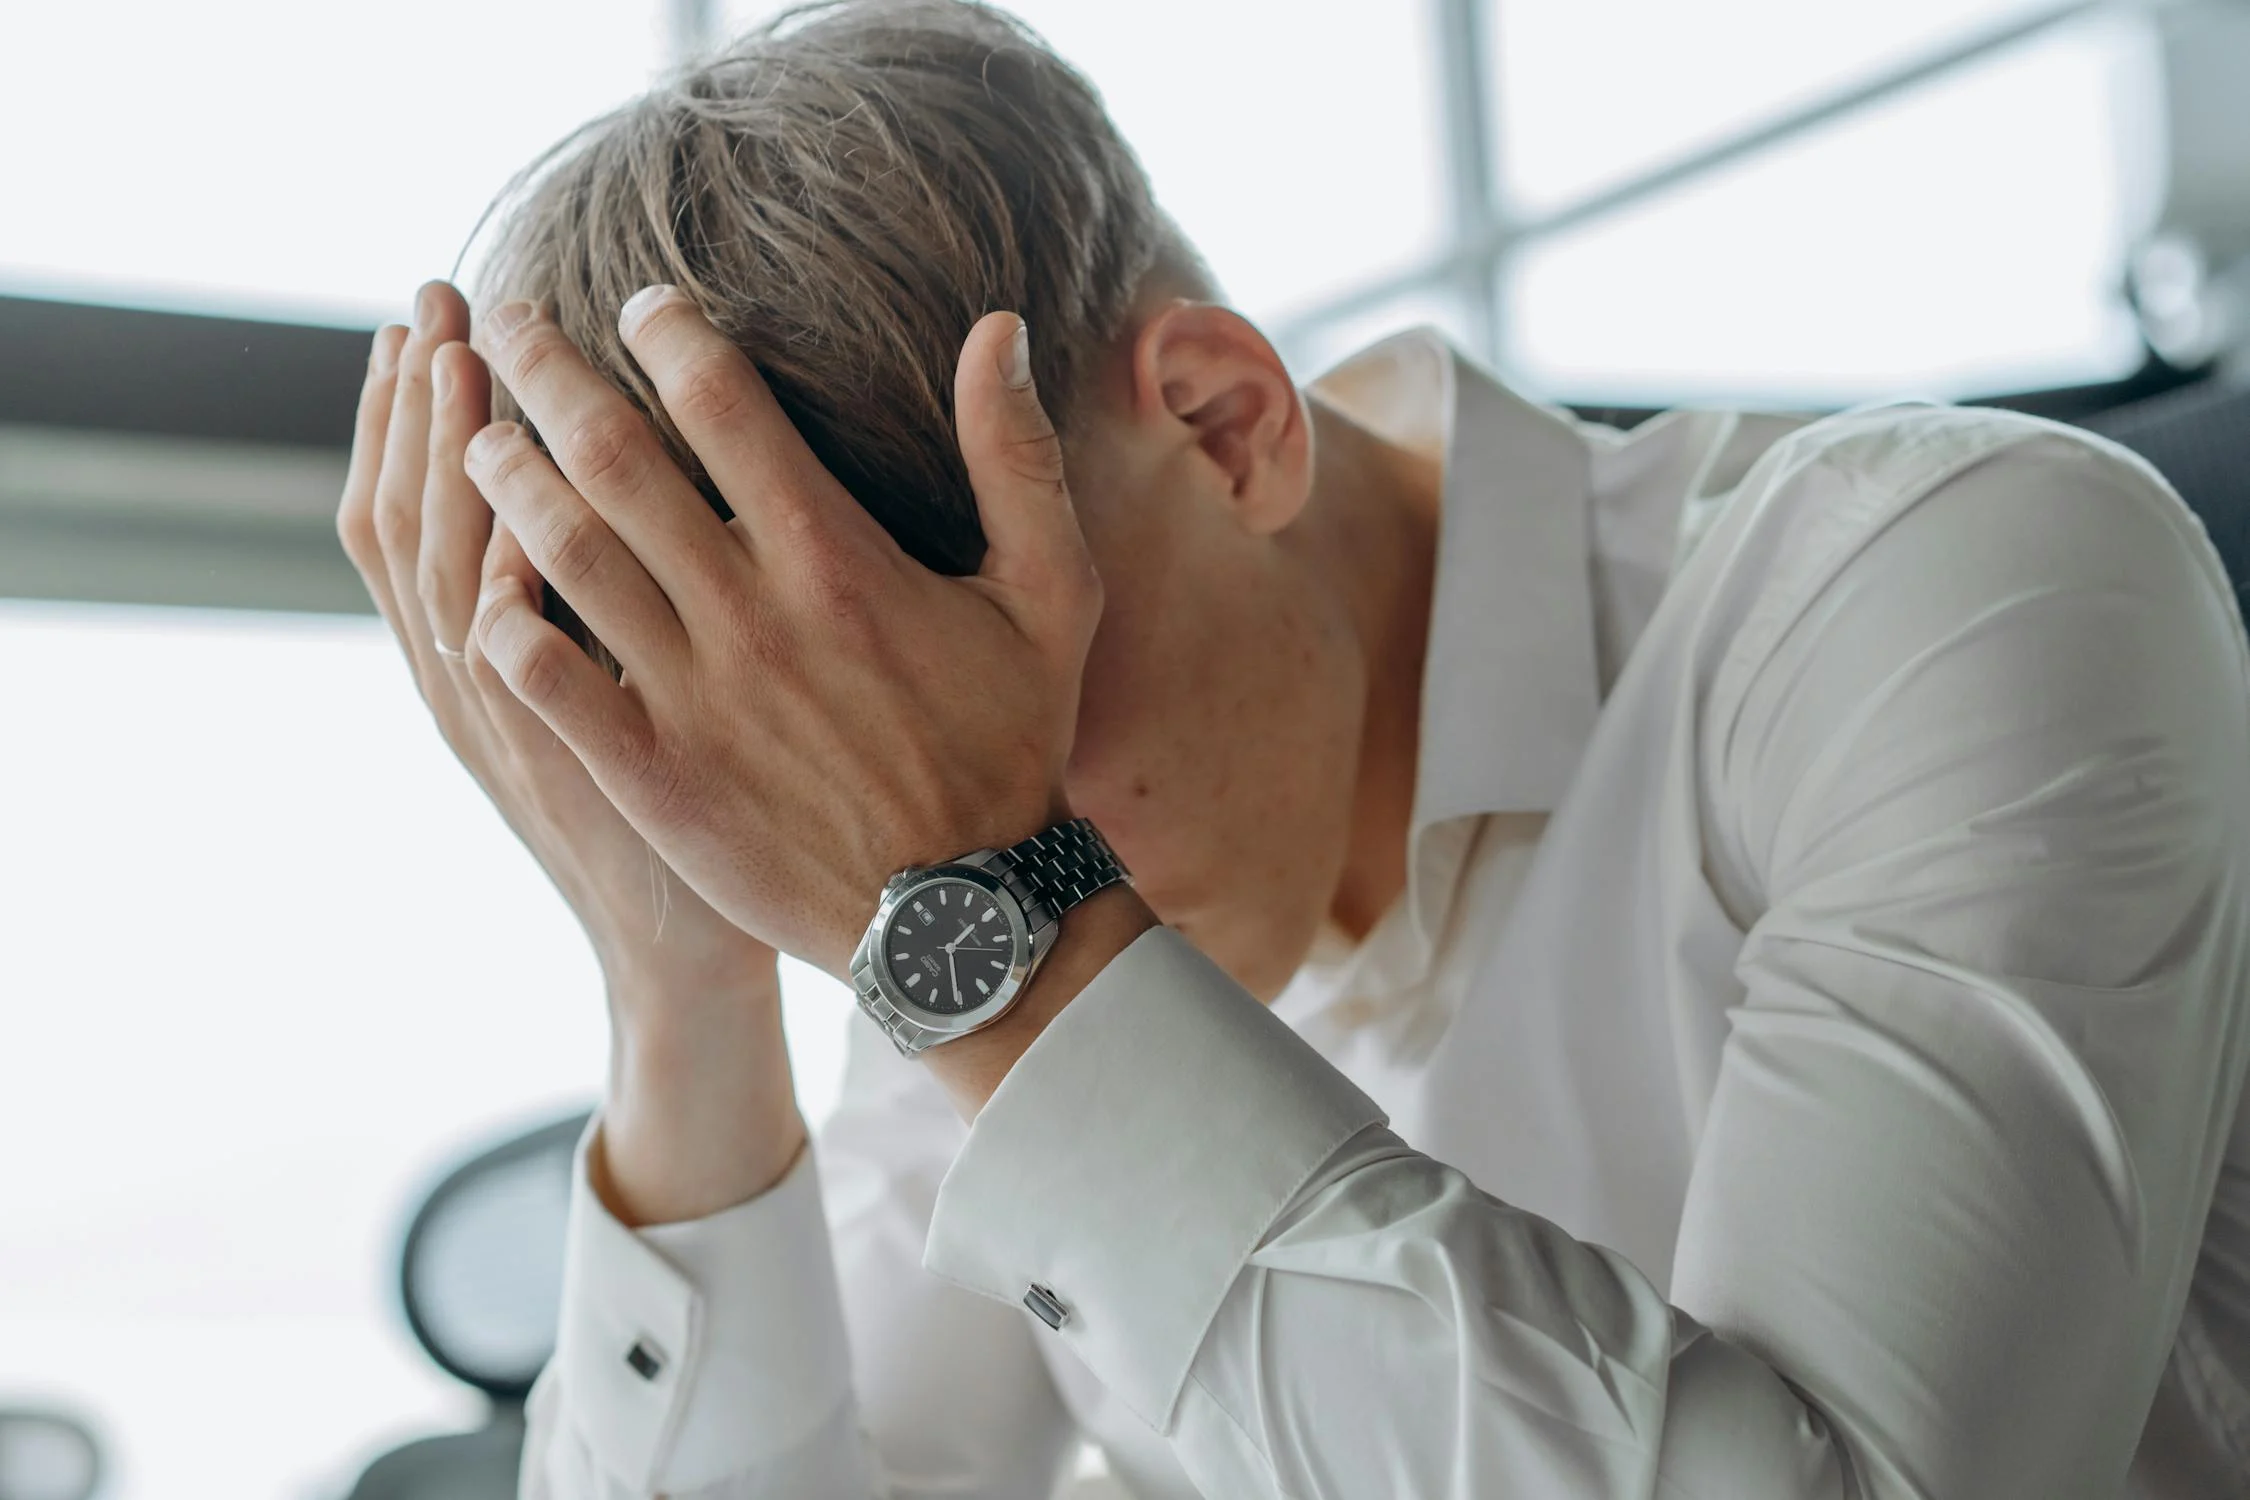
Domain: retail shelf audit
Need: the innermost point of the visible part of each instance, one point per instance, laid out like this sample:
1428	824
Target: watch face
949	946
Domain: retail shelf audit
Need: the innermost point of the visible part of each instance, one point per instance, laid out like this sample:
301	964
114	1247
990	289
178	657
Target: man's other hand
694	1000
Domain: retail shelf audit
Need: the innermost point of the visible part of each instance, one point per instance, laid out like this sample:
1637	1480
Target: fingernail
638	306
426	309
384	357
507	318
1015	365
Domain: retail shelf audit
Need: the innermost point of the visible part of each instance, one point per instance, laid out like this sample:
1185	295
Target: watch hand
966	929
954	969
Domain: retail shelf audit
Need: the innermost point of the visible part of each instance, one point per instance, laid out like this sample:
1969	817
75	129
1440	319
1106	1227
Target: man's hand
805	710
695	1001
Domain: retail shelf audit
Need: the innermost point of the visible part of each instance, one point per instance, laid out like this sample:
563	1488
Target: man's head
845	192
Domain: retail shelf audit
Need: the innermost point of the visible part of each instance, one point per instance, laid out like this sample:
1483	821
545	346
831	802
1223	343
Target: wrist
653	985
1093	933
701	1113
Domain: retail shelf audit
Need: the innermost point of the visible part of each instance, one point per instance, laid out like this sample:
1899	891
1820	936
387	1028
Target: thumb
1033	547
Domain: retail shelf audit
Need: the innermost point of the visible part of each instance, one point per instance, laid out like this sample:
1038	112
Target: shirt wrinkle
1728	1105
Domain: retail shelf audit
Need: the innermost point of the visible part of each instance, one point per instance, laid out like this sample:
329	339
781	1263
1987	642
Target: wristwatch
953	946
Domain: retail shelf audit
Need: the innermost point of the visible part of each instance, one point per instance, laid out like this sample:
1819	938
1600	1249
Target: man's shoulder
1805	518
1826	489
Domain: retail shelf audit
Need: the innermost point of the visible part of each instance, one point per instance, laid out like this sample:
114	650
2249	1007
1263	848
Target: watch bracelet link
1056	868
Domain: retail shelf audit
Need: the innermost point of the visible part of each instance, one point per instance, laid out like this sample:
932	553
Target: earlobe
1208	369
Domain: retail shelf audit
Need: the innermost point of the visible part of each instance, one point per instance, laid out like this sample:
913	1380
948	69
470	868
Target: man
1783	885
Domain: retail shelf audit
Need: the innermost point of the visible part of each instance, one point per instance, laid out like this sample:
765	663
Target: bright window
271	964
1966	237
314	161
1593	91
1296	141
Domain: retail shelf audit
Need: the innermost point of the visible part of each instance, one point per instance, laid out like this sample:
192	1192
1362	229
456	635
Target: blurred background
270	966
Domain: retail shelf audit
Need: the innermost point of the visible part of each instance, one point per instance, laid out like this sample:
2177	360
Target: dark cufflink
1046	1305
646	1362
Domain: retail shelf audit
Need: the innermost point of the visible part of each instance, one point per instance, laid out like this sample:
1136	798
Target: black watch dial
949	946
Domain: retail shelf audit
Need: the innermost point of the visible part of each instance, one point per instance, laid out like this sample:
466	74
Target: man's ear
1209	371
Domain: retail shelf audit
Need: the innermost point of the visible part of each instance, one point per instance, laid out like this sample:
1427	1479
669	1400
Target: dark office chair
2199	438
480	1281
47	1454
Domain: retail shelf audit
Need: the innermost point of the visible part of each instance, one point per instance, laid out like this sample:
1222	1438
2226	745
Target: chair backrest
480	1277
2199	438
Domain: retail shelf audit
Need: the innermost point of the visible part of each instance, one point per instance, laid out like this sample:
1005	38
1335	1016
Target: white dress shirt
1806	1060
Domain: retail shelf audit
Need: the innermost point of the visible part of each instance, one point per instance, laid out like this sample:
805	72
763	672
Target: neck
1383	502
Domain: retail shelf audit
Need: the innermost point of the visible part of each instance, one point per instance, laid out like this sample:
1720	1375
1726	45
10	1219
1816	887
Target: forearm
701	1113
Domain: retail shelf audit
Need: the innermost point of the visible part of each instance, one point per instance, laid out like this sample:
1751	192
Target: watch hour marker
997	964
941	895
913	980
899	958
983	988
991	913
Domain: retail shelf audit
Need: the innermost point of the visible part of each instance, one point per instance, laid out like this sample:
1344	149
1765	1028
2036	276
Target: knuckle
531	352
517	460
711	391
602	447
1086	586
1035	459
355	529
396	523
571	546
542	671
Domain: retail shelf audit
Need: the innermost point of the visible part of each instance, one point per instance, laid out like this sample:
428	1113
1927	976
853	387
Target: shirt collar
1510	684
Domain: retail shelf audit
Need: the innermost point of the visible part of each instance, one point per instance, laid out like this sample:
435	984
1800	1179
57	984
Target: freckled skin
1239	685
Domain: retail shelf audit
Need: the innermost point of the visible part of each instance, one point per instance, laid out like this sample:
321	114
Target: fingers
505	566
600	721
456	521
1033	546
355	513
570	545
439	315
722	406
610	453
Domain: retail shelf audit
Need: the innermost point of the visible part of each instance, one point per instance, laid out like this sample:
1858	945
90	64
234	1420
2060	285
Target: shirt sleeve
791	1345
1953	1176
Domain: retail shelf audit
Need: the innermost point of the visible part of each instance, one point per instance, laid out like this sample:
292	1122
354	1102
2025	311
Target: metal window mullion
691	26
1482	252
1477	215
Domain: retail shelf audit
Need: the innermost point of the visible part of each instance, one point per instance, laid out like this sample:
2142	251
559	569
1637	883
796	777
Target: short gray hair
845	191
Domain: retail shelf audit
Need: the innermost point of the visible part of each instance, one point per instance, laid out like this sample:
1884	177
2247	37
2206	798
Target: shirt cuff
688	1352
1134	1158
